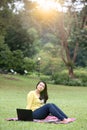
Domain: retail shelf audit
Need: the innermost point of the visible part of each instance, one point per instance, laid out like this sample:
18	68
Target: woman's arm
29	100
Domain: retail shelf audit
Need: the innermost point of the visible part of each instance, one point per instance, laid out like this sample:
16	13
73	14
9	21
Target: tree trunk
71	72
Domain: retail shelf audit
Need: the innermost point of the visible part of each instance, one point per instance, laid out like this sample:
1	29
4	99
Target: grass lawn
13	93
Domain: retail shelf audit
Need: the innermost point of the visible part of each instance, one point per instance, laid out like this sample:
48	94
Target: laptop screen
24	114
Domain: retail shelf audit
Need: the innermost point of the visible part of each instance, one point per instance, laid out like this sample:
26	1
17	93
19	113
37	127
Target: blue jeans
47	109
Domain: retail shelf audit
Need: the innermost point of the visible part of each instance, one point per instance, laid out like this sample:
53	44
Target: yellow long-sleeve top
33	102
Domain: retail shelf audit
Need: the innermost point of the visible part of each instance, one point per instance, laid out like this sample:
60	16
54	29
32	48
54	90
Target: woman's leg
41	112
60	111
45	110
65	120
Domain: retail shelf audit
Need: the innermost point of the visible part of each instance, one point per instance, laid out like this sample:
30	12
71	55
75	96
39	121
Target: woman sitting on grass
36	101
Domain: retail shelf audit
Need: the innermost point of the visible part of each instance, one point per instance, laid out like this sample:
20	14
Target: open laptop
24	114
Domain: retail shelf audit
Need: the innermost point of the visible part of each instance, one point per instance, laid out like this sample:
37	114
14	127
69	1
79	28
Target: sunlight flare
47	5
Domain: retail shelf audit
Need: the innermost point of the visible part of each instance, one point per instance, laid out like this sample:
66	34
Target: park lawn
13	92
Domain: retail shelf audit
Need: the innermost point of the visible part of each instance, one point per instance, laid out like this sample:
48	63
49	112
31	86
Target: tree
15	40
81	59
66	25
6	10
18	61
5	57
69	29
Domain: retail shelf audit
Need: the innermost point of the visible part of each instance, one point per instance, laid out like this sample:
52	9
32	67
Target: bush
46	78
63	78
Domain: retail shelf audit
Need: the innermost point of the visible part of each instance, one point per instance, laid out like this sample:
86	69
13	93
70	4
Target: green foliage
29	65
63	78
18	38
82	53
1	40
45	78
28	34
81	59
5	57
18	60
6	13
50	59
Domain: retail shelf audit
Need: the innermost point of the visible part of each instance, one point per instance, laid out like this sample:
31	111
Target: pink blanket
48	119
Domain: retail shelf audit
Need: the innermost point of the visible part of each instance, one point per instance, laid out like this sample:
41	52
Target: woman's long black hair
44	93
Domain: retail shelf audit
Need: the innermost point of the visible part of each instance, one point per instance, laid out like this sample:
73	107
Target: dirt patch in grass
11	77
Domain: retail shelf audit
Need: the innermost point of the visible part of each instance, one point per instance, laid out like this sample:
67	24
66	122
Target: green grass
13	92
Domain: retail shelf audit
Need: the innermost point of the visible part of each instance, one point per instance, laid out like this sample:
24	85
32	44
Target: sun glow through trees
47	5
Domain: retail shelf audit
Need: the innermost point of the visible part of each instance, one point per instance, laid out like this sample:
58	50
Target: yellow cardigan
33	102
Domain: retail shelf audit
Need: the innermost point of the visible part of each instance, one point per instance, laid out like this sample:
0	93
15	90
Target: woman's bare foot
65	121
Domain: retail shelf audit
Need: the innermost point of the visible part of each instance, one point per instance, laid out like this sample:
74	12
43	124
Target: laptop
24	114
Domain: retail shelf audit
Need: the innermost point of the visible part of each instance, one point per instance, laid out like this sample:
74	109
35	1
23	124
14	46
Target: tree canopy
29	31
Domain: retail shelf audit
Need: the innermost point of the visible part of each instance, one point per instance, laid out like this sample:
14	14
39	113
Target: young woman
36	101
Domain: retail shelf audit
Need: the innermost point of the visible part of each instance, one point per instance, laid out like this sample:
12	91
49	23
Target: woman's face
41	86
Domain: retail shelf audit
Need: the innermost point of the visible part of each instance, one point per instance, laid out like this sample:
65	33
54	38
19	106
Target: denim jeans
47	109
